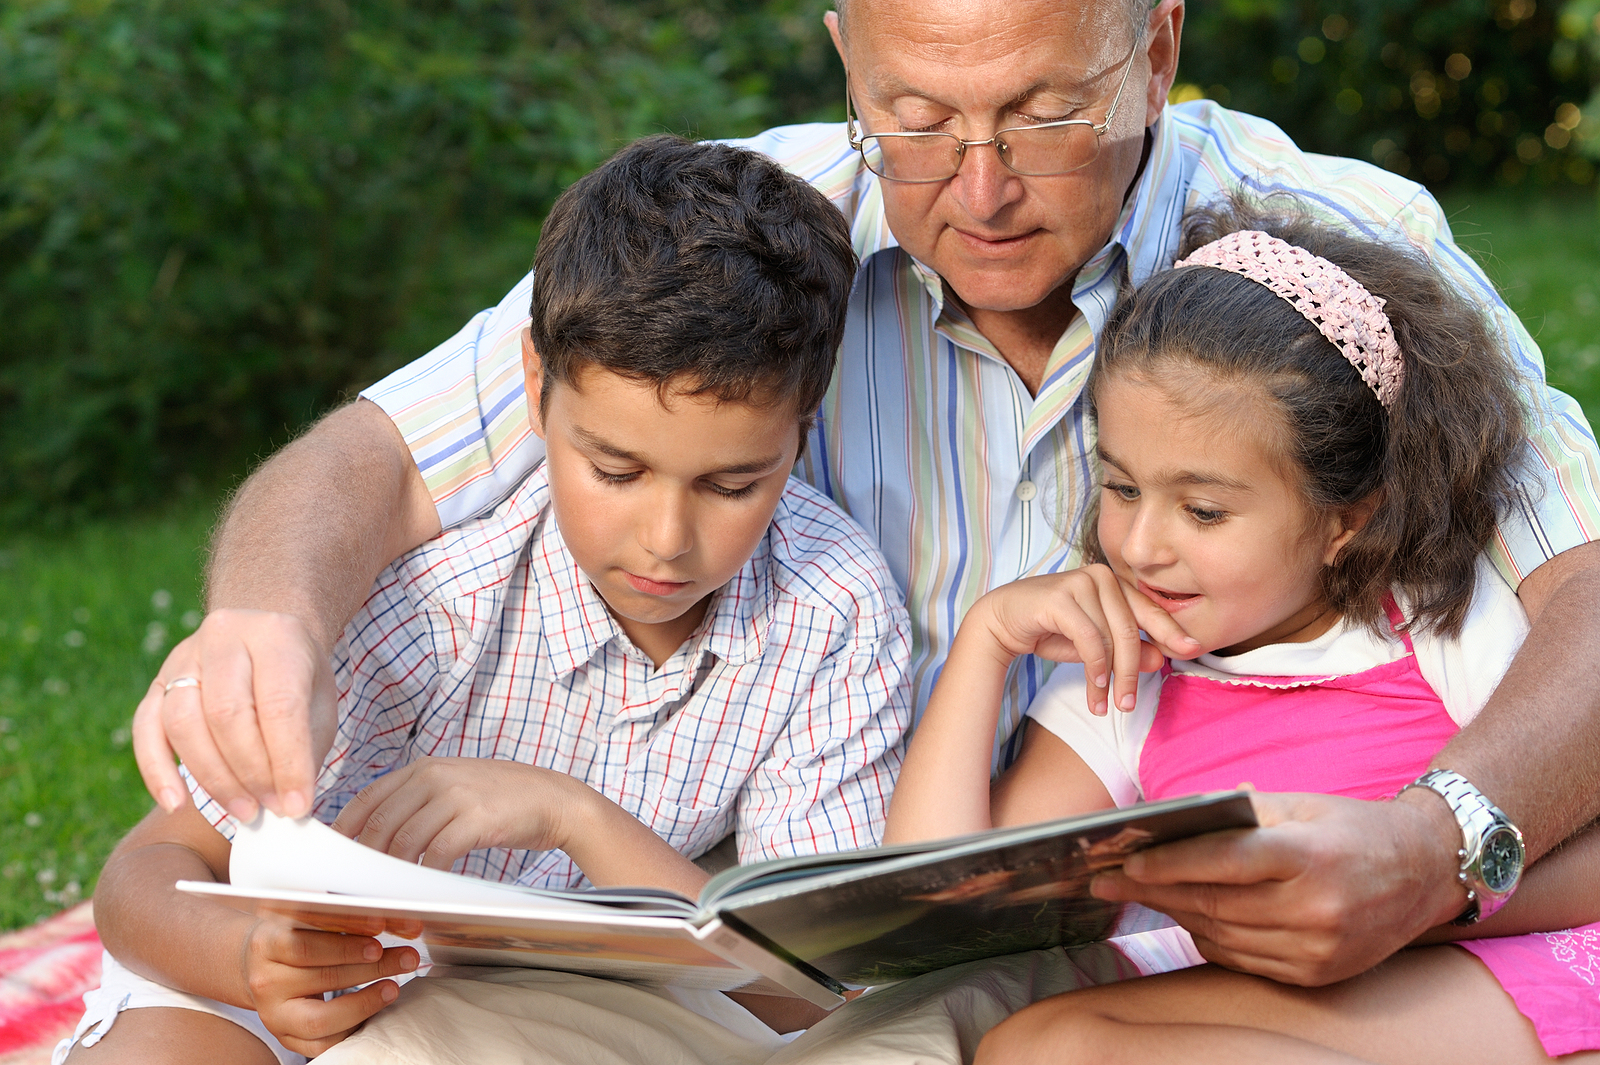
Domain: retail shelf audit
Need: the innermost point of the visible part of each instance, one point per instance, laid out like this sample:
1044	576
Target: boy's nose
668	528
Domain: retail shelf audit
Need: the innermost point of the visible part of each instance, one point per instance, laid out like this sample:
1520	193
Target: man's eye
613	478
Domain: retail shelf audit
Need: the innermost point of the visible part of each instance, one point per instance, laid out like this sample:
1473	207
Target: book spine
727	943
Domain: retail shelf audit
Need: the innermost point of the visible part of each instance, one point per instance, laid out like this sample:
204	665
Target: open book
808	927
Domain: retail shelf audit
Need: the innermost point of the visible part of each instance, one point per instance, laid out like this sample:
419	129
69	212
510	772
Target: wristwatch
1491	846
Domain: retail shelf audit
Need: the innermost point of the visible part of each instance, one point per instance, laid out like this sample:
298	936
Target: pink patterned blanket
44	971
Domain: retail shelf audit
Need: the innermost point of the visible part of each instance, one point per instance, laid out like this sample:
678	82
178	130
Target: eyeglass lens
937	156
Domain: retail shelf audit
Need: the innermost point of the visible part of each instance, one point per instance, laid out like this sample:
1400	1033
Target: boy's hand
287	969
1086	615
438	809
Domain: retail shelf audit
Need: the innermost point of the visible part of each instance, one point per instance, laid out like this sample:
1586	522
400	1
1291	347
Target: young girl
1306	440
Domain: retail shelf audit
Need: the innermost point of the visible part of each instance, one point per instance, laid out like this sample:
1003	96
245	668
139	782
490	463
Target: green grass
83	625
85	619
1544	254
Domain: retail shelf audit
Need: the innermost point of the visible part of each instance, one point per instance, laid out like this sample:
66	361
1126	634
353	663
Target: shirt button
1027	490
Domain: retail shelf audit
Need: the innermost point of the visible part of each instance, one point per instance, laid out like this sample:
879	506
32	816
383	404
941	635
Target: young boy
656	639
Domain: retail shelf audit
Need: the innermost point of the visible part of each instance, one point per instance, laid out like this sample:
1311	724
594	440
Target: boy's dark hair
702	266
1441	461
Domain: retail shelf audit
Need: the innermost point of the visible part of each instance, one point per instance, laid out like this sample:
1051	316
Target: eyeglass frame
856	135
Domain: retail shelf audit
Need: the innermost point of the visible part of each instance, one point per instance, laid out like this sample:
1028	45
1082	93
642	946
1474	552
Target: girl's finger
1160	626
1126	641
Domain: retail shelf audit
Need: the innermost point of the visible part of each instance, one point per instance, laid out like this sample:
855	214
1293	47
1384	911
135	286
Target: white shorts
122	989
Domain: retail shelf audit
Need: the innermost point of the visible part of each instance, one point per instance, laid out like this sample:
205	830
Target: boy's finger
311	1025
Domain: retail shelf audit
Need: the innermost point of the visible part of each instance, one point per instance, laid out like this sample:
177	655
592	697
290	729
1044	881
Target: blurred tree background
219	217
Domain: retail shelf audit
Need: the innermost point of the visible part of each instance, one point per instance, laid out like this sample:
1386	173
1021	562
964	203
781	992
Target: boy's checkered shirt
782	718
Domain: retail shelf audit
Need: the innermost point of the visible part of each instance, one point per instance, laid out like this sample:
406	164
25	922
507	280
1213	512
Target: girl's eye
1125	492
732	493
1207	517
613	478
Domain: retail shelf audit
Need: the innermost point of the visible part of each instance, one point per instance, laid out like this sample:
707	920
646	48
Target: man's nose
667	529
984	185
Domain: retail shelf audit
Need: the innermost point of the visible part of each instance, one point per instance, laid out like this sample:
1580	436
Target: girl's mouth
1166	598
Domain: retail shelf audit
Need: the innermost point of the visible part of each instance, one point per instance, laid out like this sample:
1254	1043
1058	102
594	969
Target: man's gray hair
1137	12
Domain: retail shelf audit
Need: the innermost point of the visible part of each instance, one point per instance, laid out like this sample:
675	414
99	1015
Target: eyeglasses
1042	150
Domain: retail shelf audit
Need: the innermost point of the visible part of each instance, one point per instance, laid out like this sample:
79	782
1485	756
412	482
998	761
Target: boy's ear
1348	522
533	382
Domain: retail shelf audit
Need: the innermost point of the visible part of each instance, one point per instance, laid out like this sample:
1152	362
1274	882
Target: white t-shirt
1463	672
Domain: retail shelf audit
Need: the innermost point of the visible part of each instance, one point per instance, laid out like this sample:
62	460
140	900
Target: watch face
1502	860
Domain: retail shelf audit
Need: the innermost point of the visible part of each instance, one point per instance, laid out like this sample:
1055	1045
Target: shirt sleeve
1109	745
463	411
1466	670
825	784
1557	506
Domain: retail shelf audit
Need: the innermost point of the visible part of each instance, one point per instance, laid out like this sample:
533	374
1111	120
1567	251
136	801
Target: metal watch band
1478	818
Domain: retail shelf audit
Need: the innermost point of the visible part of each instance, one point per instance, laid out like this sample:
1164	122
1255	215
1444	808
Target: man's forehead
1057	39
1089	20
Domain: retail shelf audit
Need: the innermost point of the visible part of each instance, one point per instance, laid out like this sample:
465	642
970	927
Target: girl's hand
1085	615
438	809
287	969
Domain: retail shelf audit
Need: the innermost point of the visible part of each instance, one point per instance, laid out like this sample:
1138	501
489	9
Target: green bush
216	216
1439	90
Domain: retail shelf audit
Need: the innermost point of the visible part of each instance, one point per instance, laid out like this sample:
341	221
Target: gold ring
182	682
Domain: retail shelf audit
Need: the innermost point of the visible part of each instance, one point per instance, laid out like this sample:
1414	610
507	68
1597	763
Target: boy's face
661	498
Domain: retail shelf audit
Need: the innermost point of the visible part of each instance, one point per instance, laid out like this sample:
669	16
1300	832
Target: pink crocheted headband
1330	299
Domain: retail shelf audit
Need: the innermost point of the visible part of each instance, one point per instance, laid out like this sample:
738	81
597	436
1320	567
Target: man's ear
831	20
1348	522
533	382
1162	36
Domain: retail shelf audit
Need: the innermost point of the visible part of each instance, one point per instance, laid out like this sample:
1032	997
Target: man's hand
438	809
255	726
1325	889
287	969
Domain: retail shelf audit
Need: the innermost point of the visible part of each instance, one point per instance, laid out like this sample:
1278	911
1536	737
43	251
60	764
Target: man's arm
1330	887
291	562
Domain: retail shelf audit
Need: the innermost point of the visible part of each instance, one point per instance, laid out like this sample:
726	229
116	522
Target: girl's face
1203	514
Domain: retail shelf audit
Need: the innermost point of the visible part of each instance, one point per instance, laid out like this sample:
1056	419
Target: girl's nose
1145	543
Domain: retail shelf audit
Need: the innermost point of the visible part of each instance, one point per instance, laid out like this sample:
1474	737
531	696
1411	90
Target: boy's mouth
650	587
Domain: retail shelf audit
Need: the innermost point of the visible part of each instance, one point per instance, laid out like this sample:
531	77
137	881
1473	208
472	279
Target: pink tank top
1364	736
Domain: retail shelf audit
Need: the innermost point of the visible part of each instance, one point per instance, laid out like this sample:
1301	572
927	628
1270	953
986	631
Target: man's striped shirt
931	441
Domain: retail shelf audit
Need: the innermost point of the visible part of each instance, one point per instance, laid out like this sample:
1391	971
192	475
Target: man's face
1002	241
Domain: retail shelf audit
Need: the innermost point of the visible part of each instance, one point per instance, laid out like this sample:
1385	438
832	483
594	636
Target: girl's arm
207	948
1085	616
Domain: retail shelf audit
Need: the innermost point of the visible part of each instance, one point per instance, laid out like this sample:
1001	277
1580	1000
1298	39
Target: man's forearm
1535	748
310	530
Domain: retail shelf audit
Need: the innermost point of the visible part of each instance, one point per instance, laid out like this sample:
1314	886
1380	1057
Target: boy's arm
436	810
205	947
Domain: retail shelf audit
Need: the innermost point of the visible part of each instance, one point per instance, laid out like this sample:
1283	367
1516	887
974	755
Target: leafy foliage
1439	90
217	215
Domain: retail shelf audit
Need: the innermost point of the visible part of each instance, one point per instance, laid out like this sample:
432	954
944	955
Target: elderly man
1007	168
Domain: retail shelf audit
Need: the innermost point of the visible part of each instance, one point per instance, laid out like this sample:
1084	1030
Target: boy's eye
1125	492
732	493
613	478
